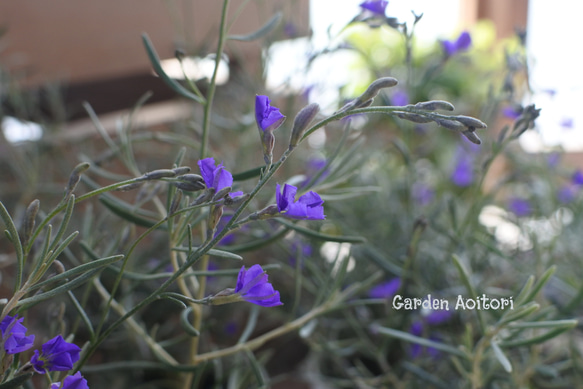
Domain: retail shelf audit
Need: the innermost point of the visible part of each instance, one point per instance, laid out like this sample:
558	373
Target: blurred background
76	85
64	53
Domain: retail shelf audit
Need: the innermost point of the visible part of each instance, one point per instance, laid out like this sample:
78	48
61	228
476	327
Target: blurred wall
86	40
93	49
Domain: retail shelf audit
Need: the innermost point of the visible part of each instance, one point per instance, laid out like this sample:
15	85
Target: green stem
212	86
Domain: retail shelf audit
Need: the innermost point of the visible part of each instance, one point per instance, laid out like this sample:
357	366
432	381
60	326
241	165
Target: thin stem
212	86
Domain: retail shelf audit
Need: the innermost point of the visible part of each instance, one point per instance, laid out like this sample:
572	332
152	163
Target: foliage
144	278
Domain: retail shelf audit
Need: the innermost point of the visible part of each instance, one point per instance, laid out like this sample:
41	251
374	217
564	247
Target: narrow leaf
15	239
502	358
173	84
127	212
535	340
79	269
263	30
213	252
28	302
320	236
421	341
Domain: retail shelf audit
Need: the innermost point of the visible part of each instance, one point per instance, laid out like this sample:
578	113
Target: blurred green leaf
261	32
320	236
173	84
502	358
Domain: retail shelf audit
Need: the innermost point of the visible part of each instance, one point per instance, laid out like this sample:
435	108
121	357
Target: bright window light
554	76
16	131
196	68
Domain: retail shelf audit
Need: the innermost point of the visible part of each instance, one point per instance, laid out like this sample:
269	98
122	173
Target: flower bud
175	202
75	177
375	87
435	105
214	216
450	124
469	121
266	213
190	182
159	173
413	117
203	198
369	94
222	193
301	123
268	145
29	219
181	170
472	137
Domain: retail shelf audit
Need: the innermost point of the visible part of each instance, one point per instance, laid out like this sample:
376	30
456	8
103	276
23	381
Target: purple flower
13	335
308	207
462	43
553	159
400	98
567	123
519	207
299	250
463	173
566	194
437	316
314	166
577	177
253	287
512	111
216	177
385	290
57	355
75	381
268	118
422	194
377	7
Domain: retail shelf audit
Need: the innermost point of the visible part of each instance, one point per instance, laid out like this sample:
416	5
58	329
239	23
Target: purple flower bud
268	118
13	335
253	287
308	207
57	355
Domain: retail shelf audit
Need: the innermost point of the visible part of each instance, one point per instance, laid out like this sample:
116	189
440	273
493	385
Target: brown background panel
86	39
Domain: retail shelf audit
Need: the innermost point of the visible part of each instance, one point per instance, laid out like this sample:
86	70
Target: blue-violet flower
75	381
13	335
386	290
519	207
268	119
308	207
216	177
377	7
253	287
57	355
462	43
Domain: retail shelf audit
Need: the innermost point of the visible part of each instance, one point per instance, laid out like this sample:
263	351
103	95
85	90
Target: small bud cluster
466	125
